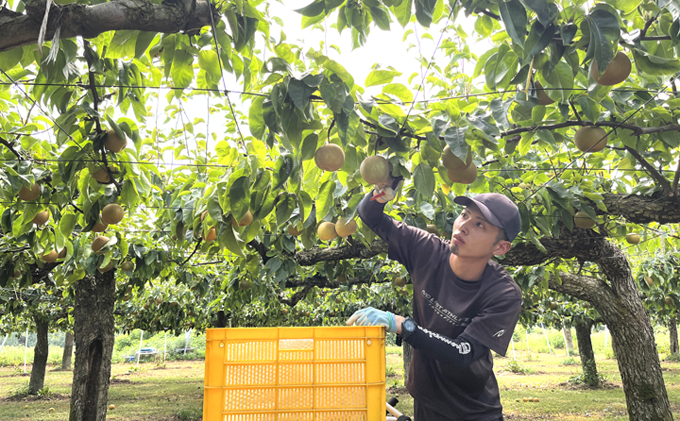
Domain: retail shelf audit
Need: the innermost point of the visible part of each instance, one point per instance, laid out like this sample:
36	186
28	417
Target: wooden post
546	338
139	353
25	350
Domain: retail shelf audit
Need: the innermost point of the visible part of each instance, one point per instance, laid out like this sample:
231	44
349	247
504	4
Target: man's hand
374	317
385	192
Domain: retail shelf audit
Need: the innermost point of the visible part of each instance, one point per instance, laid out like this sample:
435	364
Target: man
464	304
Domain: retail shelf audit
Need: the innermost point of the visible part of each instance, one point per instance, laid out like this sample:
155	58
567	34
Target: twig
649	23
676	179
11	148
637	130
490	14
77	208
665	185
198	244
261	250
578	117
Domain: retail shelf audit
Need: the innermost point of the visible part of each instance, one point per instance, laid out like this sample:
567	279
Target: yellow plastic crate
295	374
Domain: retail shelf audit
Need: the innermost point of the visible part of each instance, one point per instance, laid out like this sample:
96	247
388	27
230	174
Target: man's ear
501	247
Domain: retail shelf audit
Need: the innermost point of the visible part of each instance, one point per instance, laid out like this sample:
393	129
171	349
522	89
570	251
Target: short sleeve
495	323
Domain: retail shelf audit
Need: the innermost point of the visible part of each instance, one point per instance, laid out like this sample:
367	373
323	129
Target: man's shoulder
500	279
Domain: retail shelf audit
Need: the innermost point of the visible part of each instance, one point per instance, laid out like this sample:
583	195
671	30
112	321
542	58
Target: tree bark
68	351
585	350
94	333
568	339
673	330
40	353
88	21
618	302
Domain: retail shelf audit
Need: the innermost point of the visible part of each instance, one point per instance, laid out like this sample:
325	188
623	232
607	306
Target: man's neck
467	269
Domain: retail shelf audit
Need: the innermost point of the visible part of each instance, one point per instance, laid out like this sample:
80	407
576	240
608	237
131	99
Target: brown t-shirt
486	311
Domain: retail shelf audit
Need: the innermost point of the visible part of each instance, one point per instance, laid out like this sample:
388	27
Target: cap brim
466	201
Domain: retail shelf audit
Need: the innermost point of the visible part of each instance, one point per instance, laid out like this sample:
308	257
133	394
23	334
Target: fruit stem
578	117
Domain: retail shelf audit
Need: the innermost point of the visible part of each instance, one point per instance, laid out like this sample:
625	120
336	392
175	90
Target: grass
175	392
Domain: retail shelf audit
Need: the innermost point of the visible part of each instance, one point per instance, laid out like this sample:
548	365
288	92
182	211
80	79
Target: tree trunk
568	339
94	333
40	353
68	351
585	350
407	356
615	295
673	329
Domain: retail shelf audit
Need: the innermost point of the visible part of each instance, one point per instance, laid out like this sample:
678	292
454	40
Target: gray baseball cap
497	209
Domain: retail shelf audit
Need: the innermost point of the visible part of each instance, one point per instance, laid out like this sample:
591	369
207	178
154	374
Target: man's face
474	236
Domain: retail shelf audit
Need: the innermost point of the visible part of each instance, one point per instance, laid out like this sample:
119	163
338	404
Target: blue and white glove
373	317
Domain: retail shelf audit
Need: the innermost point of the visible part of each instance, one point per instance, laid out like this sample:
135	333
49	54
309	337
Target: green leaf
388	123
455	139
299	92
399	90
403	12
654	65
424	11
603	31
540	7
122	44
539	38
67	223
143	41
305	203
484	26
284	208
423	178
625	6
313	9
481	122
9	59
561	79
229	239
380	17
589	107
514	17
324	199
499	110
282	170
239	197
256	118
381	77
339	70
182	71
309	146
525	143
207	60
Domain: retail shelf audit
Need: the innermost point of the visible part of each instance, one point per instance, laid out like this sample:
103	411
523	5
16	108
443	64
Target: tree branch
489	14
11	148
357	251
663	182
649	23
261	250
90	21
637	130
674	189
198	244
580	286
661	207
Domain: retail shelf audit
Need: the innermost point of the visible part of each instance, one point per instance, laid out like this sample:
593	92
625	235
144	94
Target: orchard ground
174	390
